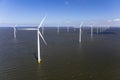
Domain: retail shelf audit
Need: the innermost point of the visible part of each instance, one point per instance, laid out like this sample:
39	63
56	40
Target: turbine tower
68	22
91	31
80	33
58	28
14	28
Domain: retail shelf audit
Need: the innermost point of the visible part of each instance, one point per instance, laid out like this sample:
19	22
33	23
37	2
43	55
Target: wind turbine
38	37
91	31
67	25
80	33
58	28
14	28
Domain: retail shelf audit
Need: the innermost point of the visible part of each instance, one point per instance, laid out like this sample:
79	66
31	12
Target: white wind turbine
80	33
38	37
14	28
58	28
68	22
91	31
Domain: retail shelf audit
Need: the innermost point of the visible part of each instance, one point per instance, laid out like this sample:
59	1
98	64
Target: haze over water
63	59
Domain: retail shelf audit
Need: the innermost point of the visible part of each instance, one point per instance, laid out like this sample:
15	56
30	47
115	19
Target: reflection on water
63	59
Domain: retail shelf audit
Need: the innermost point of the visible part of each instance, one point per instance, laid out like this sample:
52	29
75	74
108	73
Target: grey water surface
64	58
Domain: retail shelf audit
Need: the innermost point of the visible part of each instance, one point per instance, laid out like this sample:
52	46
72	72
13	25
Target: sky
63	12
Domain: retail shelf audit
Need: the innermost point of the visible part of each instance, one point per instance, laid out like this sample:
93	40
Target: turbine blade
42	38
15	25
42	21
27	29
81	24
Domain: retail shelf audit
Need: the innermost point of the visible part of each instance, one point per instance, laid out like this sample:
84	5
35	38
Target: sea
96	57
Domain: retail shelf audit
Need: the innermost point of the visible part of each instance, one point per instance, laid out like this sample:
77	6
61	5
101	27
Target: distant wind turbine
80	33
38	37
67	25
91	31
14	28
58	28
